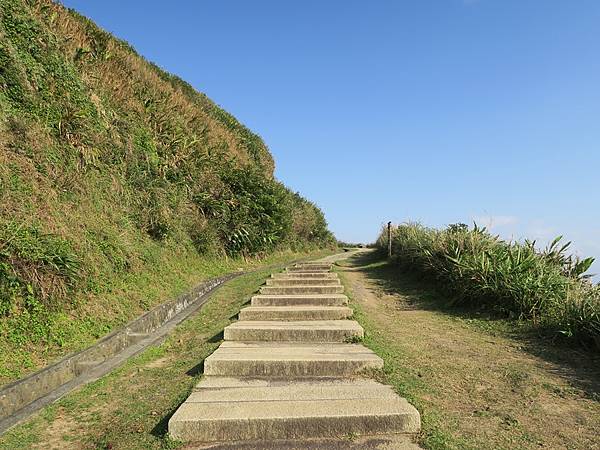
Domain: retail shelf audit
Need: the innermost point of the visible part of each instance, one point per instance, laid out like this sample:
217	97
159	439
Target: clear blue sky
432	110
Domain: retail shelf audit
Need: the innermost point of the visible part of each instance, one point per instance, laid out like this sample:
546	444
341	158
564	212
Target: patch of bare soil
489	391
58	432
159	363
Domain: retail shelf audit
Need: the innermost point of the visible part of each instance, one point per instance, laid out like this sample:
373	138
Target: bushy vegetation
344	244
548	287
111	171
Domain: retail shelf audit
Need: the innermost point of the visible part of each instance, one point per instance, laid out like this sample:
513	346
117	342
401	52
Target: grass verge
130	407
127	297
479	381
550	288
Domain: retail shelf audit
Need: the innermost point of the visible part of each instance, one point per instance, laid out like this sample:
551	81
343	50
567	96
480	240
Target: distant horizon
402	111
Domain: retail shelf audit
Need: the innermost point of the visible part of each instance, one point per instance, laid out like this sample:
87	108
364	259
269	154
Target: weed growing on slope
34	267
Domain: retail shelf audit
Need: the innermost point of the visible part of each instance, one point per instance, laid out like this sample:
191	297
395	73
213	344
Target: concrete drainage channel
20	399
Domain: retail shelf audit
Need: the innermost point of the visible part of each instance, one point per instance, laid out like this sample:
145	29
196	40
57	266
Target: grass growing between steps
130	407
479	382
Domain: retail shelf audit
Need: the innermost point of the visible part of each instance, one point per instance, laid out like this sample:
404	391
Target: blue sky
434	110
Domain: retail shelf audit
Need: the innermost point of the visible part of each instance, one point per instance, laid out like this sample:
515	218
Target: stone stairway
288	370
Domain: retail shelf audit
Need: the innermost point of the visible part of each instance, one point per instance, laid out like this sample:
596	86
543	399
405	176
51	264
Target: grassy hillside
549	288
119	183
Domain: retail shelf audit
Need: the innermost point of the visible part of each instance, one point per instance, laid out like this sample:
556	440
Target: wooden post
389	239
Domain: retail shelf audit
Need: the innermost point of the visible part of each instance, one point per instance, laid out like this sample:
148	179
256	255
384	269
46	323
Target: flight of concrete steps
288	370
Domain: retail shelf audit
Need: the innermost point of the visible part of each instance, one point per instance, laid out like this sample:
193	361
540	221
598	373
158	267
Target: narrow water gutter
21	398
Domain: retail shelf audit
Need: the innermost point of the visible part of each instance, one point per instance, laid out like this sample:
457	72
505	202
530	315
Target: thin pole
389	239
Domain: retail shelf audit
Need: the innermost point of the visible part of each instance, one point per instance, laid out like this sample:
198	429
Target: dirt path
475	386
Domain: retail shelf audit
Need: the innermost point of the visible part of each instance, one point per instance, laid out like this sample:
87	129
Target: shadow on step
217	337
198	369
162	427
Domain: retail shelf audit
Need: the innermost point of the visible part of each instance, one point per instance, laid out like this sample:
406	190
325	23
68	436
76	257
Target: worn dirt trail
475	386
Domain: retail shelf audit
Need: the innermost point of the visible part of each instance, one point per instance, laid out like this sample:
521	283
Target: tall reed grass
548	287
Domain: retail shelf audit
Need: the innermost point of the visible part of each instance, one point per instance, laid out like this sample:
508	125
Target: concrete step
287	373
271	389
309	266
380	441
278	359
305	275
320	271
295	313
296	290
291	410
306	270
303	282
300	300
296	331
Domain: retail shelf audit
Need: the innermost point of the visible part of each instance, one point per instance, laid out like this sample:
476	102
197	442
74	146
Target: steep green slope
116	176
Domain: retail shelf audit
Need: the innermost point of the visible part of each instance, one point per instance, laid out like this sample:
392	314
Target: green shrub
548	287
34	267
254	214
